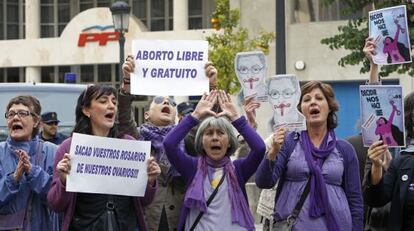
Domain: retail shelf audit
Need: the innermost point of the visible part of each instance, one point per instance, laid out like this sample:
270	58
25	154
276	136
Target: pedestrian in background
49	126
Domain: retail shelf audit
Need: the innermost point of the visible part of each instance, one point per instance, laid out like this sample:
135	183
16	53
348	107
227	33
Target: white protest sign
108	165
169	67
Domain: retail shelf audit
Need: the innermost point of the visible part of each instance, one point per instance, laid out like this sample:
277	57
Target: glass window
194	8
117	79
157	8
1	24
2	72
87	74
12	31
48	75
47	31
195	23
12	11
85	4
46	15
157	24
63	13
139	9
61	73
104	3
13	75
104	73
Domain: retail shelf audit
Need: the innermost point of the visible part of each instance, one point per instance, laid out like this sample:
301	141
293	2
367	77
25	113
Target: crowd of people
193	184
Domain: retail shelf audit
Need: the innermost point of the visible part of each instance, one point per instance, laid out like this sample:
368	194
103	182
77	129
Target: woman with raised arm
96	111
216	196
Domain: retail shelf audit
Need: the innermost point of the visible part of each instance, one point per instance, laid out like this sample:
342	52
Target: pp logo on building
101	37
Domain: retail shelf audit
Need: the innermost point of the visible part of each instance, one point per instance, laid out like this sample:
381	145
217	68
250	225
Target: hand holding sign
63	168
154	170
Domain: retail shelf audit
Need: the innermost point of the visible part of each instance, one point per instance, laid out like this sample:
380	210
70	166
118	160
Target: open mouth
314	111
17	127
166	110
109	115
216	148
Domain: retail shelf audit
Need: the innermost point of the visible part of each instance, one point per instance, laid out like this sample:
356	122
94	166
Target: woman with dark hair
396	184
25	169
96	111
213	177
317	174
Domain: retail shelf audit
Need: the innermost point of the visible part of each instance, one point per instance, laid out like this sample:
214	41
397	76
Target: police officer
49	125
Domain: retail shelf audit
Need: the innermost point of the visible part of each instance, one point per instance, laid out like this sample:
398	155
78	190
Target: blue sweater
187	165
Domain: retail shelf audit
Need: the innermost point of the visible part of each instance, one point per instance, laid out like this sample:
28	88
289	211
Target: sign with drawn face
251	70
283	96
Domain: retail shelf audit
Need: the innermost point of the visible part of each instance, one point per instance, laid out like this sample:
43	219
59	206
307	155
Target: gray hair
221	123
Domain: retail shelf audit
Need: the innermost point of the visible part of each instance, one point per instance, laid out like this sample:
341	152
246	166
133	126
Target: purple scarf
155	134
194	197
319	203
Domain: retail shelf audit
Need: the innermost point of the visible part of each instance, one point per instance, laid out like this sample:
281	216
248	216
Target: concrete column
407	84
32	30
180	19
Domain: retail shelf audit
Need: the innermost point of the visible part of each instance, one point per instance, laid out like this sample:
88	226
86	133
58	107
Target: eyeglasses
52	123
286	93
255	69
20	113
160	100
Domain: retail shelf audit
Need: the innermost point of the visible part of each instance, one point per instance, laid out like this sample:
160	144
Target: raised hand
153	170
369	48
277	141
250	106
127	69
376	153
228	108
211	73
63	168
205	104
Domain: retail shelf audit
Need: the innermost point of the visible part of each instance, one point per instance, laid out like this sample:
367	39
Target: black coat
392	187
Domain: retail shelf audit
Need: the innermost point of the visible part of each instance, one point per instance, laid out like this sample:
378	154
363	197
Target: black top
408	219
95	212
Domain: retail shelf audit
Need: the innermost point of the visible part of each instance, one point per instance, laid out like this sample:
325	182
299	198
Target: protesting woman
25	169
216	196
96	110
319	185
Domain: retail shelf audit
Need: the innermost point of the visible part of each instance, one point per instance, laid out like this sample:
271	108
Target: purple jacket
187	165
270	172
61	201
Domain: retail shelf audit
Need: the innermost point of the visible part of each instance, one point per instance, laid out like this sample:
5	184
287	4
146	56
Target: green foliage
231	39
352	36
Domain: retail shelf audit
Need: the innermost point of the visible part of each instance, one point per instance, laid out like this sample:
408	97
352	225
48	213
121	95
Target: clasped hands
23	166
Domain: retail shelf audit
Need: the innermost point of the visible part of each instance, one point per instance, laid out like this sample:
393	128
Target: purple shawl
194	197
319	204
155	134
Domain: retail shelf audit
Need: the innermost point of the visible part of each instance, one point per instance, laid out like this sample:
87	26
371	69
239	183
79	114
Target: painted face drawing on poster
382	116
251	70
283	95
169	67
388	28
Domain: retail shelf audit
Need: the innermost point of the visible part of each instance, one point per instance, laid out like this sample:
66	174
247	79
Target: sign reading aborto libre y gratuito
106	165
169	67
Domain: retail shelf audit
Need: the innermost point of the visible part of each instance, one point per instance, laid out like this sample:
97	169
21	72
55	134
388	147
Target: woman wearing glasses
26	166
96	110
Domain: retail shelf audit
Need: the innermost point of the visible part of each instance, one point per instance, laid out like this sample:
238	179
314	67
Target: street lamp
120	15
